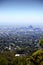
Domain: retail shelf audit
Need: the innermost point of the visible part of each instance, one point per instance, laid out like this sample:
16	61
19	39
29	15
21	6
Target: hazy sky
21	12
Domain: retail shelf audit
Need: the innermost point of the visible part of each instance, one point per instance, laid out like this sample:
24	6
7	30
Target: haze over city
21	13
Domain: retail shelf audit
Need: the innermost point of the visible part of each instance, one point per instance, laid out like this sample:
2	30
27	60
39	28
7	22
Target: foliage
41	42
37	57
8	58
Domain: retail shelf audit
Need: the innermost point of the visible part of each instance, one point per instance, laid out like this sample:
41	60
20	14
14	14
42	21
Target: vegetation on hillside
9	58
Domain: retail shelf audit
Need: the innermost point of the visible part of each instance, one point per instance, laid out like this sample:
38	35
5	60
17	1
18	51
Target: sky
21	12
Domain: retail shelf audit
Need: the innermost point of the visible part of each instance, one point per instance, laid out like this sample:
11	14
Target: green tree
3	61
41	43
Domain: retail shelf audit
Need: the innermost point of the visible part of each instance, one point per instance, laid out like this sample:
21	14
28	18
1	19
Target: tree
41	43
3	61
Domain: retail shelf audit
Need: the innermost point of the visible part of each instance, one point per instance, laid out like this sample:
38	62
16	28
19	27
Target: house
17	54
20	55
